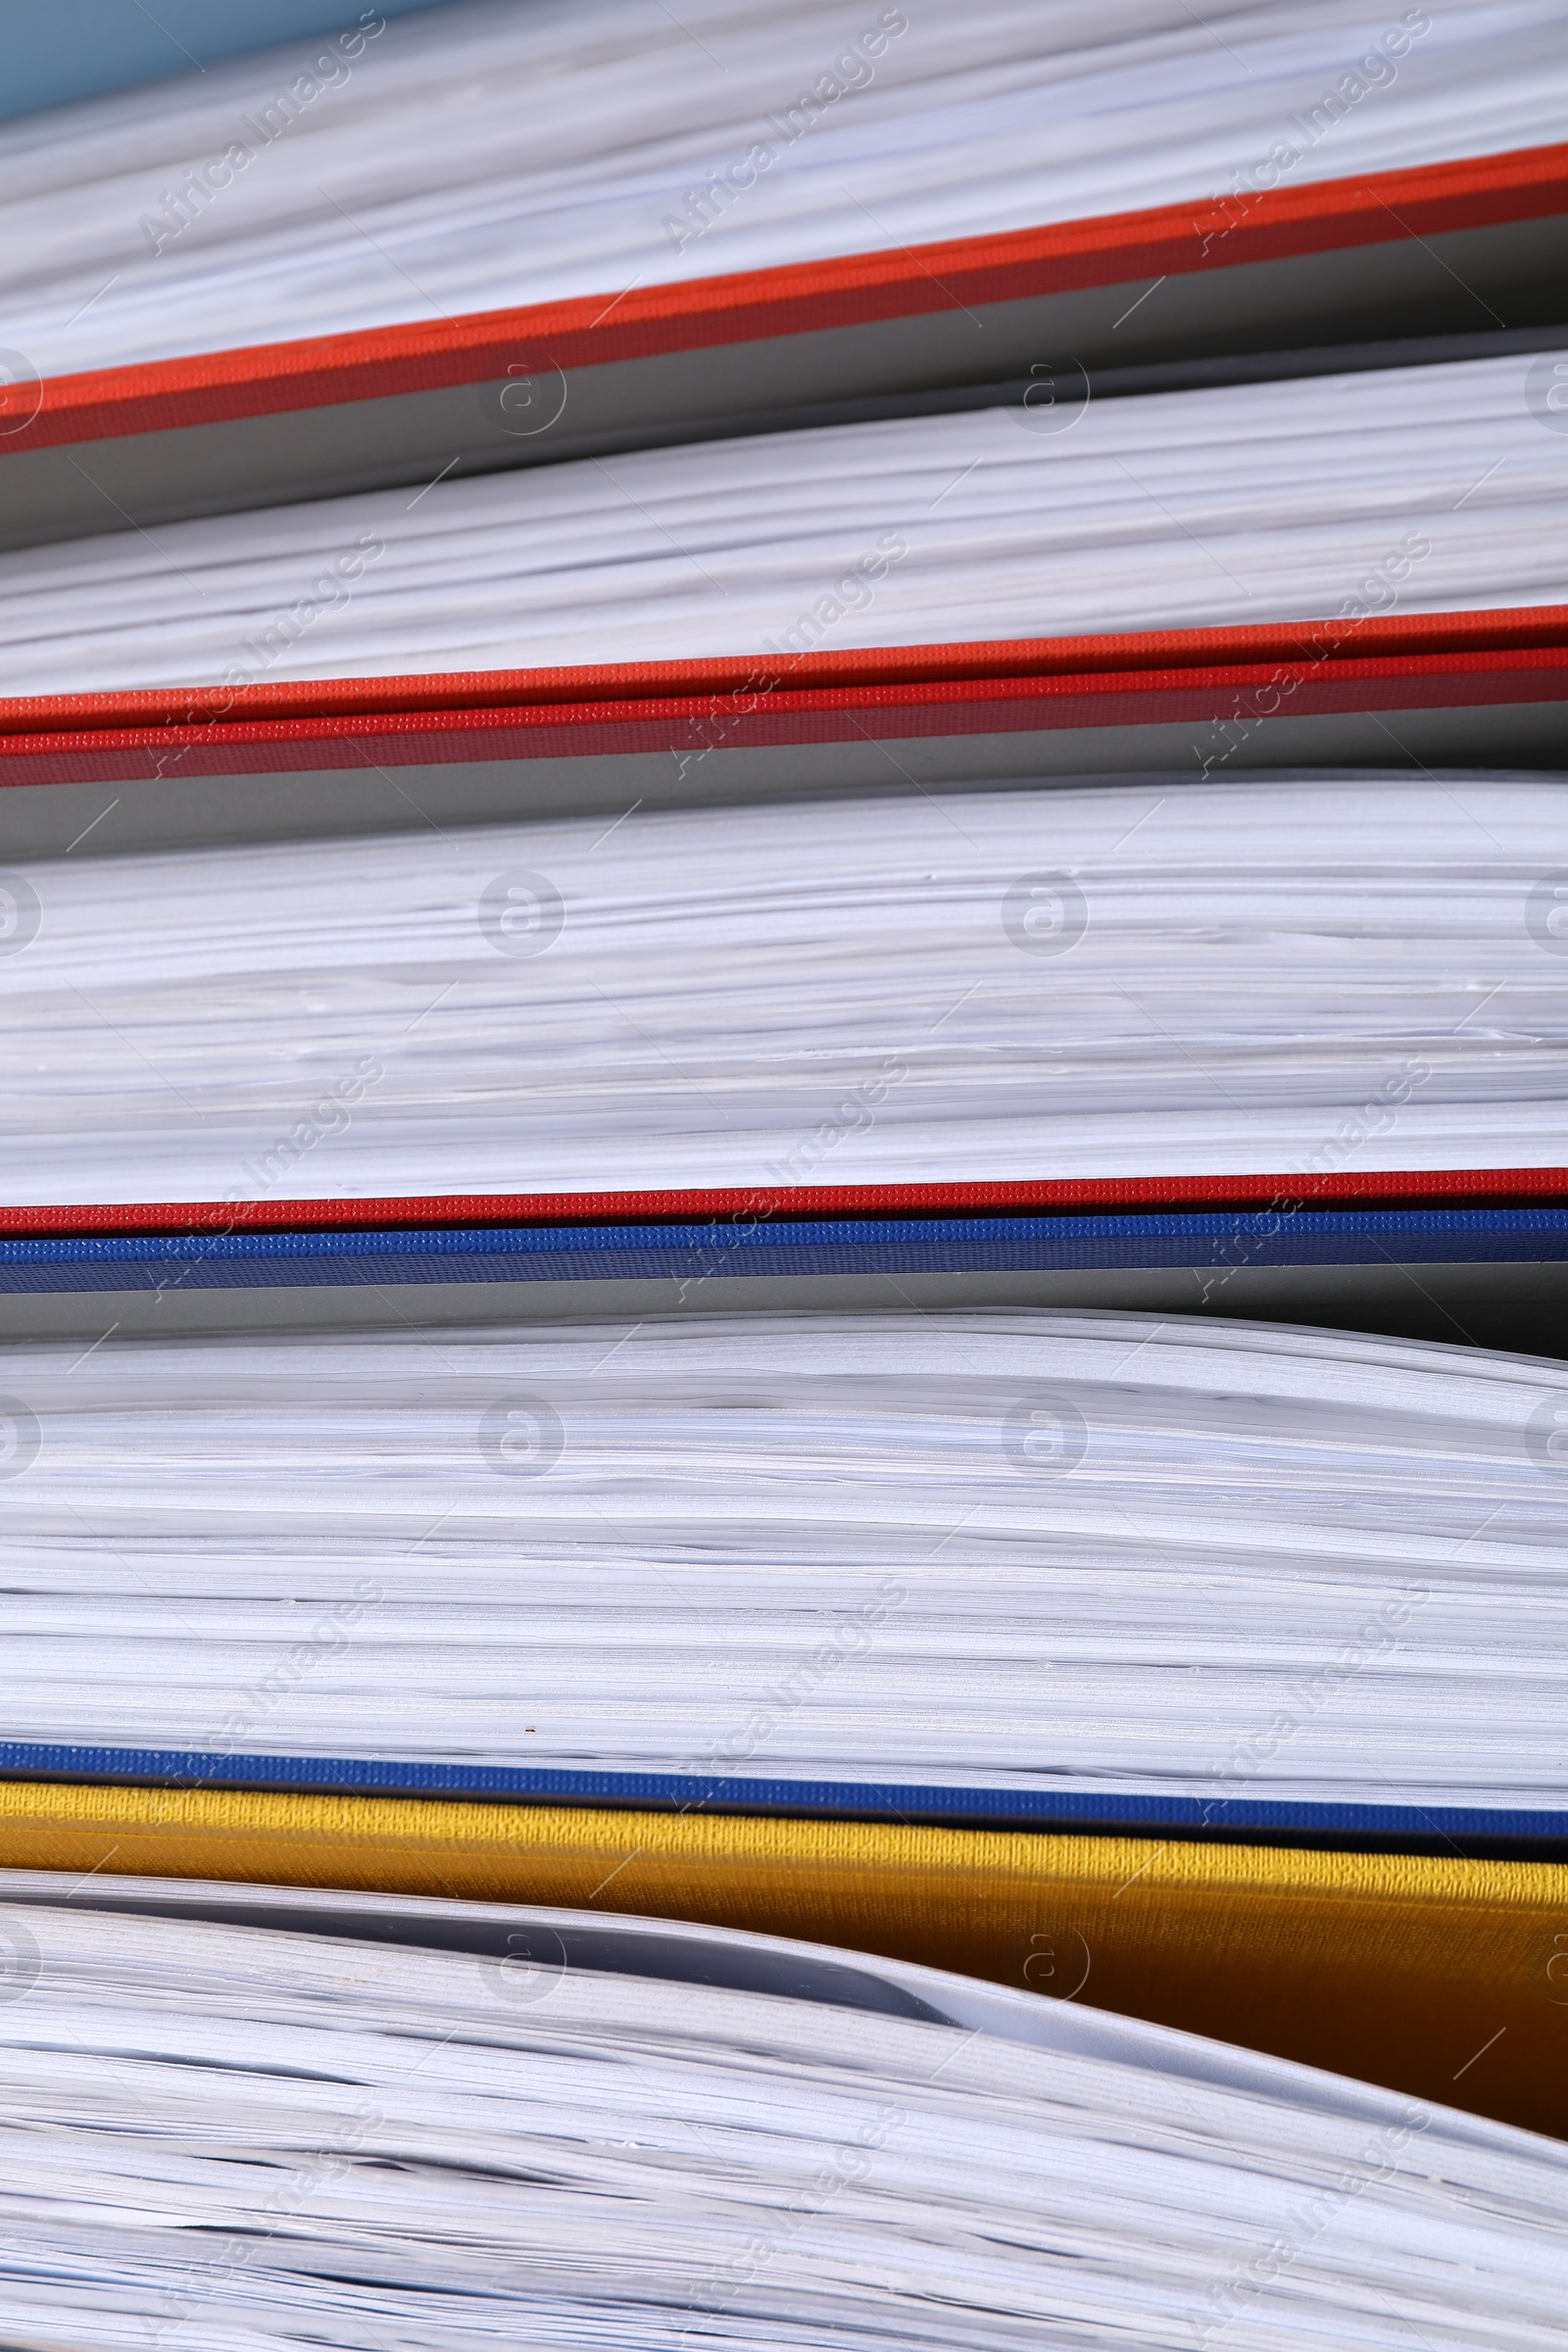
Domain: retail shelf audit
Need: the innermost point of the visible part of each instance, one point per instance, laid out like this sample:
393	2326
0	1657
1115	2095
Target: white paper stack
490	155
1023	1551
246	2137
1003	1569
1311	975
1336	498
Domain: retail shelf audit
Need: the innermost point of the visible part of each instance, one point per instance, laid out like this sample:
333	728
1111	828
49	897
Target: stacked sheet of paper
1025	1552
1331	498
1311	975
257	2135
492	155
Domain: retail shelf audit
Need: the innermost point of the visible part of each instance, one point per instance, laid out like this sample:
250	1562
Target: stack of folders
784	1215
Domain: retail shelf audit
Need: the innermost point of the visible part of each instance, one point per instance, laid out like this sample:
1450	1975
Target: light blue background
52	51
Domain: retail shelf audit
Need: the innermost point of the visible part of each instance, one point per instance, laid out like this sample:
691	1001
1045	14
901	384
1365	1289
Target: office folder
1313	572
617	2101
1334	499
781	874
1013	1569
441	2121
491	236
84	773
1163	1043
